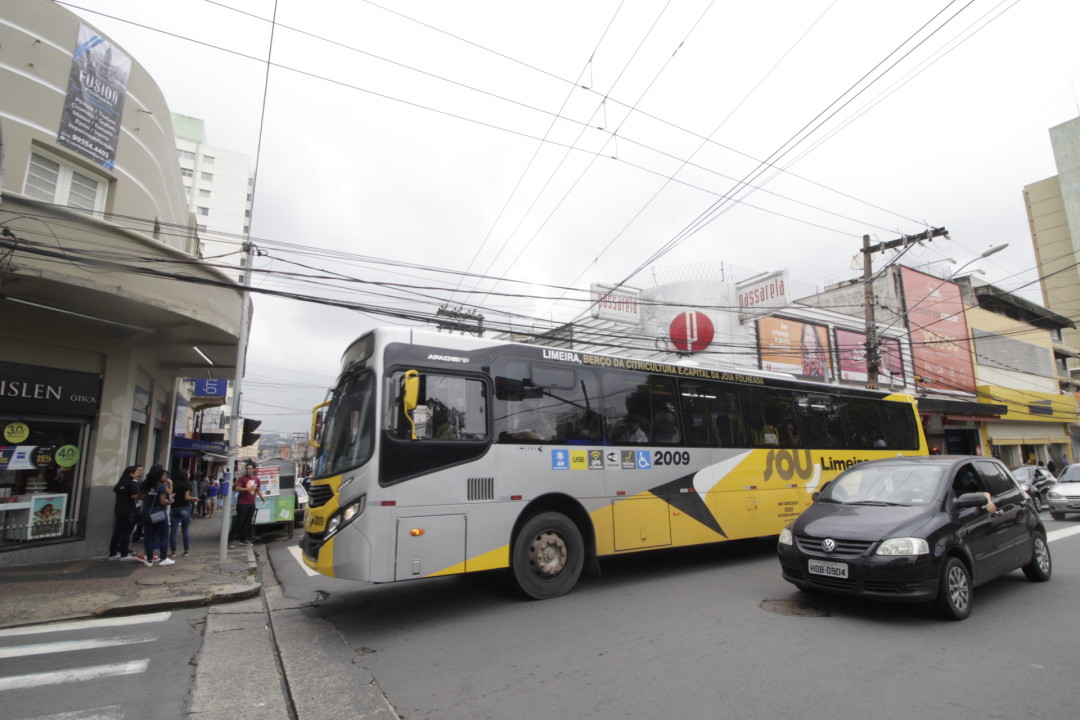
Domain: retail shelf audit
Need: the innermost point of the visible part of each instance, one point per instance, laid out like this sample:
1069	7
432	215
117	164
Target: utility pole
873	350
873	347
463	321
234	421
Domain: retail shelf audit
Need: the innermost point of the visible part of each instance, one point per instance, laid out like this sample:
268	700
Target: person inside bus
665	430
789	436
440	423
632	432
586	430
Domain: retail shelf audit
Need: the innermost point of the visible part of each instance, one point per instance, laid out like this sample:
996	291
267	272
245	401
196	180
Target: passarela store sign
619	304
767	291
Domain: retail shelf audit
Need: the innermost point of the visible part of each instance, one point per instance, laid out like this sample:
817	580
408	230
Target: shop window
39	480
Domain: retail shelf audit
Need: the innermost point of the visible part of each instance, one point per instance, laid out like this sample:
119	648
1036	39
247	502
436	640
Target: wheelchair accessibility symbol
644	459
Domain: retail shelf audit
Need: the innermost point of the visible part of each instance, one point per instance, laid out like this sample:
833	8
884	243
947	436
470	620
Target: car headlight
344	516
786	538
904	546
1055	495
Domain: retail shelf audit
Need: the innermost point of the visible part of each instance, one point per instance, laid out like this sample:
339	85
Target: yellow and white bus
443	454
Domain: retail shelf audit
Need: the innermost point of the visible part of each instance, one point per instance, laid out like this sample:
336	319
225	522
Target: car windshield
1071	474
885	485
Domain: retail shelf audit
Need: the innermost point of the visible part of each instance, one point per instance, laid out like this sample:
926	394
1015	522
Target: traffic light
249	436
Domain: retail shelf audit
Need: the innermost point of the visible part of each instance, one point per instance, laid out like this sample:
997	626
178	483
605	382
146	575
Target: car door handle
997	513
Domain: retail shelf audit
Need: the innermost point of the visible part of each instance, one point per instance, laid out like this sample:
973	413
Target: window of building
186	155
53	181
185	172
204	193
207	176
202	210
208	159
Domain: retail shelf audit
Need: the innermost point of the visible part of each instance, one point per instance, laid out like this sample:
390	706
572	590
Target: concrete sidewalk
99	587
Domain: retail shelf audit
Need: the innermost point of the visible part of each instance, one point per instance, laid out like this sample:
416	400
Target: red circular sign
691	331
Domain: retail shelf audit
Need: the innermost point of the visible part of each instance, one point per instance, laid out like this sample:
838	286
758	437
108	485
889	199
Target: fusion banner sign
97	87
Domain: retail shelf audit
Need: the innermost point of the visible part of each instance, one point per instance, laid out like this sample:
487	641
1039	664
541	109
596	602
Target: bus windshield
349	434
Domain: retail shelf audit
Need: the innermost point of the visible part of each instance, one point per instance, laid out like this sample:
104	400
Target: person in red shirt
247	487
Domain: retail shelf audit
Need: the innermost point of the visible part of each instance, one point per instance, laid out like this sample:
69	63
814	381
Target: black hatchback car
916	529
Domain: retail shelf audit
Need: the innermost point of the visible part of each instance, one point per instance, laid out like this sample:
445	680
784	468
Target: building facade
218	185
1053	209
105	303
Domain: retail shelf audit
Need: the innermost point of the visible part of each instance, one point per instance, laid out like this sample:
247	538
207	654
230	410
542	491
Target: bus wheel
548	556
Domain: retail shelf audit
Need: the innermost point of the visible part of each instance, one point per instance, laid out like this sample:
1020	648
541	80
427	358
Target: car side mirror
971	500
816	495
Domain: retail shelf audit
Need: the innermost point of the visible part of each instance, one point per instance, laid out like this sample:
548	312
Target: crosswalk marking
1062	533
295	552
71	646
58	677
83	624
112	712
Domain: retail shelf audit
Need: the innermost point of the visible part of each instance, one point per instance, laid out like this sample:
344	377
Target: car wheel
953	600
1057	515
1040	566
548	556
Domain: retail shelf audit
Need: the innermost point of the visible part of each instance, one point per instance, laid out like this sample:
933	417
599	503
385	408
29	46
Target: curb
214	597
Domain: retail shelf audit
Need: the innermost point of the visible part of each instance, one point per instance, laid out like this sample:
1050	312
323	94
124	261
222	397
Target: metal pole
234	421
871	323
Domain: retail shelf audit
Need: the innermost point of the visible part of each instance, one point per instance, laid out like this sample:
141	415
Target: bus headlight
344	516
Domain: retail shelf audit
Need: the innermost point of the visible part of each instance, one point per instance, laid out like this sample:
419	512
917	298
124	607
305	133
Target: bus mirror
410	391
318	422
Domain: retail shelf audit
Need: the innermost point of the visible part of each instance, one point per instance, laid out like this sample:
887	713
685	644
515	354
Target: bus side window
864	424
901	431
448	408
819	417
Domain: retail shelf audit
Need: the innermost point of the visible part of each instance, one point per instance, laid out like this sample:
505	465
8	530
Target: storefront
1035	429
46	416
954	426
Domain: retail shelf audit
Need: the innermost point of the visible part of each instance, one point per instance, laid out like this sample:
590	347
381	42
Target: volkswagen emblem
828	545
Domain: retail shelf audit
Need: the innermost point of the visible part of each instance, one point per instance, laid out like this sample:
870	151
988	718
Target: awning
960	407
215	456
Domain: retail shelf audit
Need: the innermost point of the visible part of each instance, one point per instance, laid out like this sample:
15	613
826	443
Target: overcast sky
563	143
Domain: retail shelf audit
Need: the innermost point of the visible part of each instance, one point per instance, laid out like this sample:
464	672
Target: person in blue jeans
180	511
155	515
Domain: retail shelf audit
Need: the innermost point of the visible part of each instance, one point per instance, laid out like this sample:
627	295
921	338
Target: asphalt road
704	633
107	669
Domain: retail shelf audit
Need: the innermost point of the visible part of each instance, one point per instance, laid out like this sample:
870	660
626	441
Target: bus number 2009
671	457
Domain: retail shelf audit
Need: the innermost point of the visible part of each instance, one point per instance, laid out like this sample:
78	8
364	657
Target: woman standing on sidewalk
155	515
211	497
180	511
126	512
